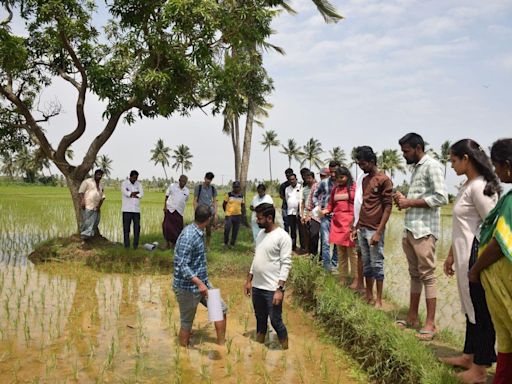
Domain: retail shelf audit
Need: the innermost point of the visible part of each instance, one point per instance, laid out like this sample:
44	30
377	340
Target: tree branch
8	19
102	138
33	129
69	139
69	79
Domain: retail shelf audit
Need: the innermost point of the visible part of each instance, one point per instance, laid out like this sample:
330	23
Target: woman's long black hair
480	161
344	171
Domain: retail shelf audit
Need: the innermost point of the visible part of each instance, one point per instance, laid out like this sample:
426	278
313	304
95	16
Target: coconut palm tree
160	155
182	157
25	161
105	164
292	151
445	154
269	140
312	151
391	161
337	154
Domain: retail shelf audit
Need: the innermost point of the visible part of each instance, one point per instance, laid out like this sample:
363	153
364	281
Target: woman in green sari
494	264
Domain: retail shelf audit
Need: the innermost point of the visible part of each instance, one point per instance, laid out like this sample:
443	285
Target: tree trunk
73	186
246	154
165	172
236	127
270	164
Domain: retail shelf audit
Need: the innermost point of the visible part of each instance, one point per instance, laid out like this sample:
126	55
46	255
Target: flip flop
426	335
402	324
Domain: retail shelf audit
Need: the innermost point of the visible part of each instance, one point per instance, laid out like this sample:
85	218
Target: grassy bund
386	353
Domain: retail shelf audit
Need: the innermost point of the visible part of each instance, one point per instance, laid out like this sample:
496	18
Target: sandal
425	335
404	324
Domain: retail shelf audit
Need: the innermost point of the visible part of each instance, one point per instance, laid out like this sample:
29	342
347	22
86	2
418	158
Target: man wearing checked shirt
427	193
191	275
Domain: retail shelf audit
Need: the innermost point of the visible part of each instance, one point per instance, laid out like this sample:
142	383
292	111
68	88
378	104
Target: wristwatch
281	288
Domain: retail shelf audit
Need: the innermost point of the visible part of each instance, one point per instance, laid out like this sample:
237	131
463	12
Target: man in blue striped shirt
191	275
320	199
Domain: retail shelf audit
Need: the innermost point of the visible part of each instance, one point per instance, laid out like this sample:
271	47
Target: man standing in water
269	270
191	275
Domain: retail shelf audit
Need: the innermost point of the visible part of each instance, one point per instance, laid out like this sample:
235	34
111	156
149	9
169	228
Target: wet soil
66	323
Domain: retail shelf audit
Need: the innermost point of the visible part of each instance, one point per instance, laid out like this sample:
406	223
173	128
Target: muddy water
66	323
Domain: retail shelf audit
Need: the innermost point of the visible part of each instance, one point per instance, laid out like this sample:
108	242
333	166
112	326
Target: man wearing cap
320	199
324	173
92	195
234	210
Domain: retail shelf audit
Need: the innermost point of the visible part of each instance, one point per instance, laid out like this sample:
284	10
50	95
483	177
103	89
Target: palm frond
328	11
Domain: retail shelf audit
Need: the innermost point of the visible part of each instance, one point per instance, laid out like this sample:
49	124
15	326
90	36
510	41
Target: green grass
387	354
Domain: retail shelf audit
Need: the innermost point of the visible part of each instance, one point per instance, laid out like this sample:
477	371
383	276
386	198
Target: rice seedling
229	343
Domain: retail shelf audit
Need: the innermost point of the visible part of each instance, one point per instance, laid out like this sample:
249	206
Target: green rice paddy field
64	322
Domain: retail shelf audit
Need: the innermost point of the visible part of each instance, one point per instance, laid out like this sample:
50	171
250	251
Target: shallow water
63	323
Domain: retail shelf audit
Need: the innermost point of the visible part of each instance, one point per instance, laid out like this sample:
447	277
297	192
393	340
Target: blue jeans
372	256
325	228
263	308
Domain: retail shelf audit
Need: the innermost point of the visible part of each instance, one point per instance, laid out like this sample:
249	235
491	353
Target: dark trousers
303	235
293	223
231	222
284	213
263	308
128	217
313	228
480	337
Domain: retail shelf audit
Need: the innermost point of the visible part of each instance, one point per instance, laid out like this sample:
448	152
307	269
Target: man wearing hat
234	210
324	173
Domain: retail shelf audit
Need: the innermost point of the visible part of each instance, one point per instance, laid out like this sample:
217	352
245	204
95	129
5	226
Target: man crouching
191	275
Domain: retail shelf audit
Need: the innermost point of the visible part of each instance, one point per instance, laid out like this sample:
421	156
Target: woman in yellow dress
494	264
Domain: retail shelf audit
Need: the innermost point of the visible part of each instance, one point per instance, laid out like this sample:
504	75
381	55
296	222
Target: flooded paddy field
64	322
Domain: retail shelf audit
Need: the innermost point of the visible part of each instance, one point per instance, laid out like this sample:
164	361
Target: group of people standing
344	221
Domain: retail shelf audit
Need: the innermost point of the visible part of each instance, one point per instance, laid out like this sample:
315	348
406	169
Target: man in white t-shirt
293	194
131	193
174	209
269	270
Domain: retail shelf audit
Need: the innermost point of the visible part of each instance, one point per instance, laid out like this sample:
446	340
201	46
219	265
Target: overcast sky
440	68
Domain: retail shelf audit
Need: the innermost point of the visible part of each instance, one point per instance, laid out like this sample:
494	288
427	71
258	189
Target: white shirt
92	194
131	204
176	198
272	259
470	209
293	198
358	198
257	200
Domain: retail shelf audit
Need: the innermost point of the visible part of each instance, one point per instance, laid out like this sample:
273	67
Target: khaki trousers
421	257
